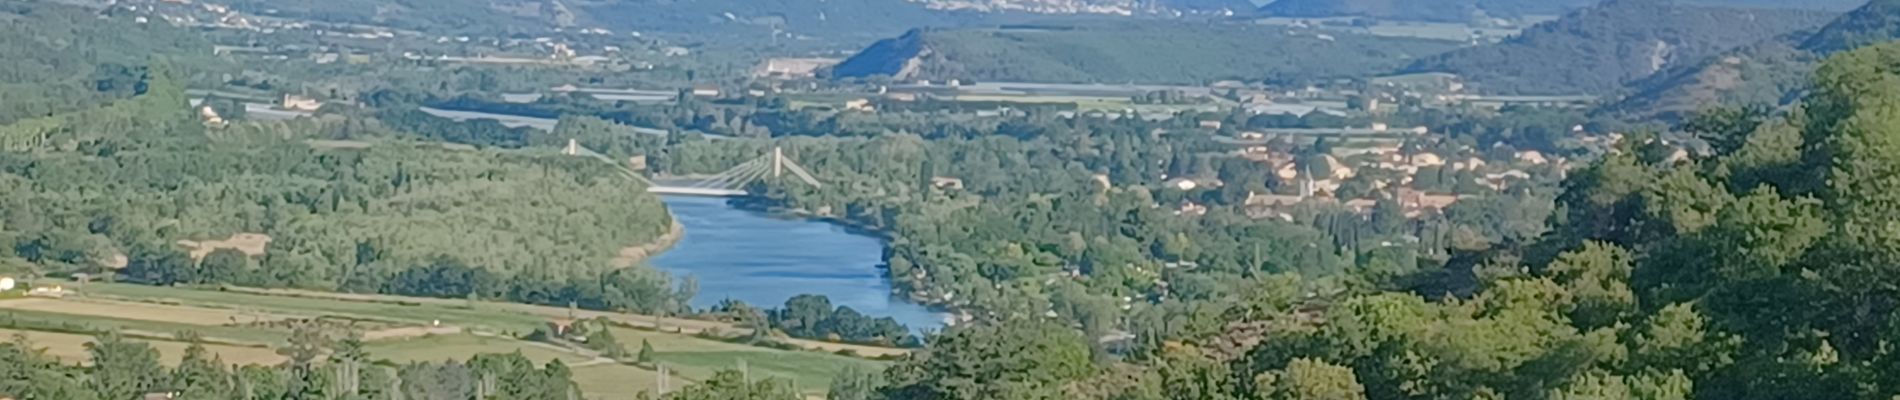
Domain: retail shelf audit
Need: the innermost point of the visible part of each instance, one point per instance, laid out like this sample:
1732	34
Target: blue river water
762	260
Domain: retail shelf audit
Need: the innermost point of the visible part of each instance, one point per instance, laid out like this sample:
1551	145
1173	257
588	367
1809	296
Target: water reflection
761	260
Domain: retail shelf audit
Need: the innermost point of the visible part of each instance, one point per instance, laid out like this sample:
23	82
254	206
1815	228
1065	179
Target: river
763	260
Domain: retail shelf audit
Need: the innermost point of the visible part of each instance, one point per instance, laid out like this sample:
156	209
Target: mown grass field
695	357
244	325
71	348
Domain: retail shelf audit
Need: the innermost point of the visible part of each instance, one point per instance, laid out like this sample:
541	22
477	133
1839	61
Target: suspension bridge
731	183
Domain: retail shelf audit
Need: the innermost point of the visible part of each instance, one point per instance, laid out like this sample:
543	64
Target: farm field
446	347
698	358
71	348
243	325
143	311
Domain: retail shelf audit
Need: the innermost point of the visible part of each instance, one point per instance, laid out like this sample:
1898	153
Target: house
860	105
1183	184
561	52
47	291
1678	156
1361	205
793	68
705	91
300	103
1471	164
1500	180
1533	157
1188	208
1417	203
1258	206
210	116
161	395
1422	160
1269	108
1251	136
1210	124
1288	171
946	183
1272	200
1336	169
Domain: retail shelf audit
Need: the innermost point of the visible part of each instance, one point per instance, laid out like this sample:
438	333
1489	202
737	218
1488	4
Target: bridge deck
687	191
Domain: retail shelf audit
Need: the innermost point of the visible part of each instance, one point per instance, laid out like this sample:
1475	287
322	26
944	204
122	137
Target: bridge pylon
732	182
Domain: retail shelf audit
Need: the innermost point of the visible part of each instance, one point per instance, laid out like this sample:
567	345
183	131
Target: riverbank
926	300
632	255
737	252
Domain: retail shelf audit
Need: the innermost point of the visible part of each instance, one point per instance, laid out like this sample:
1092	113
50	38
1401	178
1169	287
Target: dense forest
65	59
1151	52
1571	56
392	218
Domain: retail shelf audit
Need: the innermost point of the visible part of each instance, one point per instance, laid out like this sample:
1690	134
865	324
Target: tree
445	381
1597	276
855	383
1308	379
123	369
731	385
646	352
1015	359
223	266
202	375
803	315
307	343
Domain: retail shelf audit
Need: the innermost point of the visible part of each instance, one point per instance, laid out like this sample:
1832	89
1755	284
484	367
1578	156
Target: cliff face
897	57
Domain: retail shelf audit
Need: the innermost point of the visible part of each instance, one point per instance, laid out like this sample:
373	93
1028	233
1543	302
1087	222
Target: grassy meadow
244	326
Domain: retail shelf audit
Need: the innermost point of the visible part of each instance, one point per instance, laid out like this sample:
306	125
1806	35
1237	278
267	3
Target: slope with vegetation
1131	52
1770	73
1600	49
62	59
1763	271
133	179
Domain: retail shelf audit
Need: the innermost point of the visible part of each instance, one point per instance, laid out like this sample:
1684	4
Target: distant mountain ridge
1122	7
1599	50
1141	52
1771	72
1467	10
747	19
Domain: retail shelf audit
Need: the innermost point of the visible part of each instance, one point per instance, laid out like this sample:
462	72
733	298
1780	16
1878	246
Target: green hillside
59	58
1132	52
1772	72
1600	49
